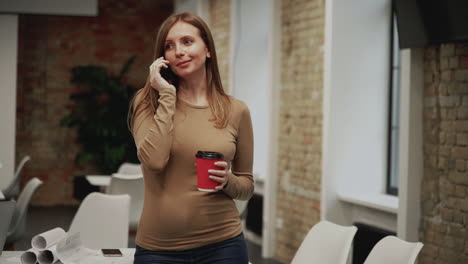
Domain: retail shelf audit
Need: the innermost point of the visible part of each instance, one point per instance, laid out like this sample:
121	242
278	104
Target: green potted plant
99	111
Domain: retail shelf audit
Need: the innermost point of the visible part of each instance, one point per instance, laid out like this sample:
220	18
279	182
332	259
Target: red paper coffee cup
206	161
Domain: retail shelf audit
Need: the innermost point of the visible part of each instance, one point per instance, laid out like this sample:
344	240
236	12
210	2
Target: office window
394	113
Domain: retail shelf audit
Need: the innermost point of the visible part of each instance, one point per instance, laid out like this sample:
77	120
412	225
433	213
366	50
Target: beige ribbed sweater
176	216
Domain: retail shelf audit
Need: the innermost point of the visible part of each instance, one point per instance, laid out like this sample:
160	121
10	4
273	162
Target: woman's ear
208	55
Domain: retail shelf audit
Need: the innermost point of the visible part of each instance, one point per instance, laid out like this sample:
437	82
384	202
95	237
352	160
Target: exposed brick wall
49	46
300	121
444	195
221	30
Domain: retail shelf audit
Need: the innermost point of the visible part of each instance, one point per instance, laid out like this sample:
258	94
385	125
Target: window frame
393	137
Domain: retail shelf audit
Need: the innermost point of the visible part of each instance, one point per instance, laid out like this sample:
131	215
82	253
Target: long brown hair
219	101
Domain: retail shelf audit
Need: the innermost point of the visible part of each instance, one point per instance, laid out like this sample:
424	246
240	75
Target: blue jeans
230	251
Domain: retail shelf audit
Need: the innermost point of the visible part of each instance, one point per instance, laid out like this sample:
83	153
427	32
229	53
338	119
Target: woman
172	118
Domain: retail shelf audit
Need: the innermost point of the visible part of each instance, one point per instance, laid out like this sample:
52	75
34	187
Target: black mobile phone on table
111	252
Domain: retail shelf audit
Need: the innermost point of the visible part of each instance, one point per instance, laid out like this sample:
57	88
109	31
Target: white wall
411	144
251	72
356	92
255	79
8	53
198	7
271	183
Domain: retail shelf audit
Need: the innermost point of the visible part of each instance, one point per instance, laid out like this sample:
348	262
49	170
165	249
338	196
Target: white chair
18	222
129	168
13	189
326	243
391	250
102	221
241	206
242	209
7	209
132	185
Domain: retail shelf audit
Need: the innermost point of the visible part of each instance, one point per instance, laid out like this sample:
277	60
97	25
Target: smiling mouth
183	62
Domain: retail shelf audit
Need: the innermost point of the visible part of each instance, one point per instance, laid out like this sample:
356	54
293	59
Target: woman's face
185	50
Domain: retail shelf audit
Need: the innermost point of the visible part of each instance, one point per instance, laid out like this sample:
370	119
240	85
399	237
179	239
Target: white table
99	180
104	180
15	256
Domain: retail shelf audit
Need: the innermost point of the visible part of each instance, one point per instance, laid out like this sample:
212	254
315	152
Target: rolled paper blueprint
30	256
48	239
48	256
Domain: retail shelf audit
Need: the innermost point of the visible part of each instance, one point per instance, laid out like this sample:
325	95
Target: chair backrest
7	208
102	221
241	205
13	189
326	243
129	168
241	208
390	250
132	185
18	221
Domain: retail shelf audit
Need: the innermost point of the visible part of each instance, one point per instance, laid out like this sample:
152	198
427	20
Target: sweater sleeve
241	183
153	133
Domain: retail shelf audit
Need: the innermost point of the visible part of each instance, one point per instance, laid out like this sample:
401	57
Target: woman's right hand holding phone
156	80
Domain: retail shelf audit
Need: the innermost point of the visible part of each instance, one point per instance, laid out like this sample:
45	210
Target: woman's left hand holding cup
221	176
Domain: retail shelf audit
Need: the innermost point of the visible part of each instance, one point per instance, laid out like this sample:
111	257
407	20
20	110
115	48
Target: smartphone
111	252
169	75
